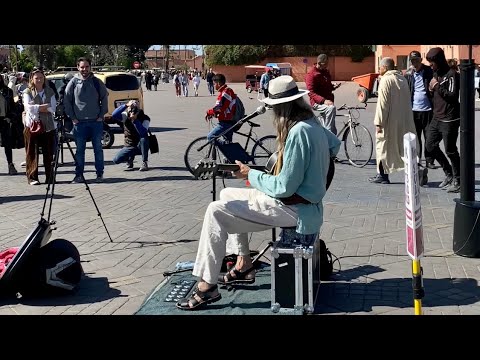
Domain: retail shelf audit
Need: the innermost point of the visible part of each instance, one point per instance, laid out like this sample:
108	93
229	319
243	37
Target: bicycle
356	137
260	152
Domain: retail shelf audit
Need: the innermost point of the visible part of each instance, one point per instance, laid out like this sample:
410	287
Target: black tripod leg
61	150
88	189
53	176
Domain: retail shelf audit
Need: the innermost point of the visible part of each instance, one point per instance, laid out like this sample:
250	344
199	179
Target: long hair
31	83
285	116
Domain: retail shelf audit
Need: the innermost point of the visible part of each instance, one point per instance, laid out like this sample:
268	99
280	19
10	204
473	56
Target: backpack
239	113
326	262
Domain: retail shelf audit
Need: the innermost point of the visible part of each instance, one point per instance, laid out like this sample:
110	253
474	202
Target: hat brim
300	93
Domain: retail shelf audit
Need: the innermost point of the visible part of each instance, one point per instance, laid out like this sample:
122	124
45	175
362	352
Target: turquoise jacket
306	160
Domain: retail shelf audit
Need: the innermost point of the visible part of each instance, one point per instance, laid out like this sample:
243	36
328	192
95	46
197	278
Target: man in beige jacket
393	119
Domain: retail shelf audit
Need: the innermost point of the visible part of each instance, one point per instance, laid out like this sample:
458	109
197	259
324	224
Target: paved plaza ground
155	219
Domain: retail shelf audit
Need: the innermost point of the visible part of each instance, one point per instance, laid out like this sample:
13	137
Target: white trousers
238	212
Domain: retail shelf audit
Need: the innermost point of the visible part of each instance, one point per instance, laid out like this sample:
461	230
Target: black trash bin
466	229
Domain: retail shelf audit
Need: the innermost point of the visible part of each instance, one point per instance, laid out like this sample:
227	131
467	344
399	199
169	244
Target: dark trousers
9	154
448	132
382	171
422	122
265	92
46	141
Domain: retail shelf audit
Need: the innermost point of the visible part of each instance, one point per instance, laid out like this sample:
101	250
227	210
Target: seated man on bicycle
319	83
223	110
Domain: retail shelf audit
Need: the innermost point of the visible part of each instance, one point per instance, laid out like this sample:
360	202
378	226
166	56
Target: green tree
24	63
67	55
247	54
135	53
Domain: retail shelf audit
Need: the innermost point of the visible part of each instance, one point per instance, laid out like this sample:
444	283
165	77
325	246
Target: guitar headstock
204	169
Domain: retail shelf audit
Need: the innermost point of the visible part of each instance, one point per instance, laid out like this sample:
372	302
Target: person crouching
135	125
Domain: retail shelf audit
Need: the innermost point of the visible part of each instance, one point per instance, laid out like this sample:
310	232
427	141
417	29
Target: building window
402	62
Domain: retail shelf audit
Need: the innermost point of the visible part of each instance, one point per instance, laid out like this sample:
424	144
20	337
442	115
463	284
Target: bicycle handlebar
345	107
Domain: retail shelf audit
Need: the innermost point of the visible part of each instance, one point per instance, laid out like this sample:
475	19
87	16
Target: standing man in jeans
209	79
319	83
86	103
418	78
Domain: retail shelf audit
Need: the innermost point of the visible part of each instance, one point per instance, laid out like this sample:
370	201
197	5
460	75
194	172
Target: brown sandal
205	298
240	277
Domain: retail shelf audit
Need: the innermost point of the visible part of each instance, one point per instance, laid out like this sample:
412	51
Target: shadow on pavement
90	290
344	295
153	178
141	244
154	129
8	199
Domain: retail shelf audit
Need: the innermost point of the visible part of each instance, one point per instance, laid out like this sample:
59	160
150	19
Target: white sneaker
144	166
34	182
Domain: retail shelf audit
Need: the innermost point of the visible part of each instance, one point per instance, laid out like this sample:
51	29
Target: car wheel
107	138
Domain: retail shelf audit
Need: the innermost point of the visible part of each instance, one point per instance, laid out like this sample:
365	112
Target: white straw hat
283	89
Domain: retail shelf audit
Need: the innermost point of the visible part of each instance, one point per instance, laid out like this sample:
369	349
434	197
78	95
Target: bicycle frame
348	123
249	136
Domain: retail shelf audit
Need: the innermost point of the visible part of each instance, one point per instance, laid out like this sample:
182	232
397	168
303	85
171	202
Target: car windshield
121	82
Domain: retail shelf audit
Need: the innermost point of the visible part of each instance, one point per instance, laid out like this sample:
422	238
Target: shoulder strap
96	83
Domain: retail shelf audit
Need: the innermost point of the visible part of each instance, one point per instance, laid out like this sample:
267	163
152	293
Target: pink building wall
342	68
451	52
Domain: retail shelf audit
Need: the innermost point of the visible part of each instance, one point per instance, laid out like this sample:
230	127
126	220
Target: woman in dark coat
8	125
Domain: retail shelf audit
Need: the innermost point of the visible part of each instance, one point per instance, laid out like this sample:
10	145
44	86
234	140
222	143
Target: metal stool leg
264	250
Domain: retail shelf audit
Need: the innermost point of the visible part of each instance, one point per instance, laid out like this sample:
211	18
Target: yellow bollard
417	284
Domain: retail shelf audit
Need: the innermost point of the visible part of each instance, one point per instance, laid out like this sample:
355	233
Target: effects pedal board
180	290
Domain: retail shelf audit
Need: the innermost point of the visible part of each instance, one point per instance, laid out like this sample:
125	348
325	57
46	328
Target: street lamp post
466	226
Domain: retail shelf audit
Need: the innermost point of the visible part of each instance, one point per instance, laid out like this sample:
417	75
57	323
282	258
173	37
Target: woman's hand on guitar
242	173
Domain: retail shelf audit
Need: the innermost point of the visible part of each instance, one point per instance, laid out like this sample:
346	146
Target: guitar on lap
205	169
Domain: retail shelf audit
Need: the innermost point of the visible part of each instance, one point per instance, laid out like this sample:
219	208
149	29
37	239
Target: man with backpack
86	103
224	109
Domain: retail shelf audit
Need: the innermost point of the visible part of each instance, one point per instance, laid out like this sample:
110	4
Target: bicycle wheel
358	145
193	156
263	149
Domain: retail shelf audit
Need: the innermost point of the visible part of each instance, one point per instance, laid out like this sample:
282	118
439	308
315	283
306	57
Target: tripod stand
60	140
